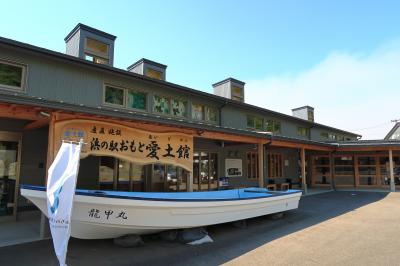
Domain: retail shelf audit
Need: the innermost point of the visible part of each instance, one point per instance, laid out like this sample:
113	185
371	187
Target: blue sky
279	48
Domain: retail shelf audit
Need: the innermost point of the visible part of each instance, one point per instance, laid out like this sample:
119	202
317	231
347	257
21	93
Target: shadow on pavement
229	242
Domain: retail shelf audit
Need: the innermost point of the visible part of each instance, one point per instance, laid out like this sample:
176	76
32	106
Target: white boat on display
110	214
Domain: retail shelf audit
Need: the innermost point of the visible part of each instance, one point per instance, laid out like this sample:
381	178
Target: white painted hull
150	216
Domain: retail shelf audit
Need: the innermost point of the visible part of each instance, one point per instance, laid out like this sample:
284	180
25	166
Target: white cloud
355	92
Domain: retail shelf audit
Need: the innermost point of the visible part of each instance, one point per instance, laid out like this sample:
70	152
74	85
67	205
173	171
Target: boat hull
99	217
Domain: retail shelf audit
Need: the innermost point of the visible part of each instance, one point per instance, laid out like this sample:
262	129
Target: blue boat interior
219	195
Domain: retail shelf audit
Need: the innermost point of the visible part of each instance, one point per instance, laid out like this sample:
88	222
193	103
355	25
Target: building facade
143	133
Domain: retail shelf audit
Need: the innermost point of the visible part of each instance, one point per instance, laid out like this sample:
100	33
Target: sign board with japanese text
131	144
233	167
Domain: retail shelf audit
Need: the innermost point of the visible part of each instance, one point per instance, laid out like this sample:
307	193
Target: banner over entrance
135	145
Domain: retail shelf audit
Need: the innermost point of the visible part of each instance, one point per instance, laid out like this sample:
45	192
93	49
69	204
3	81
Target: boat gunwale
104	194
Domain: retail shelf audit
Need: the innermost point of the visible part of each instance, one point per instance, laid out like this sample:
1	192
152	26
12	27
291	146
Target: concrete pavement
360	228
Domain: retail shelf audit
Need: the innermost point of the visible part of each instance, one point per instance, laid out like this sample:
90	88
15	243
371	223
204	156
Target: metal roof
227	80
18	98
222	100
144	60
390	133
369	143
89	29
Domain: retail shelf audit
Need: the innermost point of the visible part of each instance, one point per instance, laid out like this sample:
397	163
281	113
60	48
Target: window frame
24	75
155	70
180	100
324	135
216	114
252	165
275	170
235	96
169	105
254	124
307	131
94	53
146	104
191	112
105	85
274	123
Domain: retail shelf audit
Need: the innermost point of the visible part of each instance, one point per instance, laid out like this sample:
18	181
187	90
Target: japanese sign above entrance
127	143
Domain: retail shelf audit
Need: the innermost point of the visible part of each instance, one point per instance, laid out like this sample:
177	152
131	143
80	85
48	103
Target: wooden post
392	185
260	165
332	171
356	171
44	229
378	180
303	169
190	182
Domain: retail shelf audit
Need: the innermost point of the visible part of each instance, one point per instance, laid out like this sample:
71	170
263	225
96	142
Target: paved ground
345	228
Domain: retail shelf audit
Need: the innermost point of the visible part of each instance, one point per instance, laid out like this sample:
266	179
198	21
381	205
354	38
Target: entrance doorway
10	153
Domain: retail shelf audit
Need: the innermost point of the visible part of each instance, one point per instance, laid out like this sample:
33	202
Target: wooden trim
353	149
296	145
275	165
391	172
356	171
37	124
303	169
20	112
50	144
260	165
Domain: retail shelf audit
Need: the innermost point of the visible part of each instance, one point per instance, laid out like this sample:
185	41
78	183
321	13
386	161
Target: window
198	111
12	75
96	51
324	135
396	134
161	104
136	100
211	114
117	174
179	108
302	131
176	178
275	165
332	136
114	95
154	74
205	171
273	126
237	93
310	115
254	122
252	165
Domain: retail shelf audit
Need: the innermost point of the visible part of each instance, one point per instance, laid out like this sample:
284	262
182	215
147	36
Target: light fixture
44	114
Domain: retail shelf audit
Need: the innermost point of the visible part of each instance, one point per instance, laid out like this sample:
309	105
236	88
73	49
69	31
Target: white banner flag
61	184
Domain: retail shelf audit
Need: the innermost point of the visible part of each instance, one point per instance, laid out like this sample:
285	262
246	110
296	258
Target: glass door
9	173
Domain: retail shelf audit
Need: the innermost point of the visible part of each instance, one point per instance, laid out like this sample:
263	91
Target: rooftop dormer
304	112
91	44
230	88
149	68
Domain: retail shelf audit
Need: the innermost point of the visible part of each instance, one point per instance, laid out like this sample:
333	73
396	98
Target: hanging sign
233	167
135	145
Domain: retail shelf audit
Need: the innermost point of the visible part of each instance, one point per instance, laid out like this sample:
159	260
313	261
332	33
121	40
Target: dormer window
96	51
154	74
237	94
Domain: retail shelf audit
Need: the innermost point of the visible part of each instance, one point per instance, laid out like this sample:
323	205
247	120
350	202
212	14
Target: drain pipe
220	112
